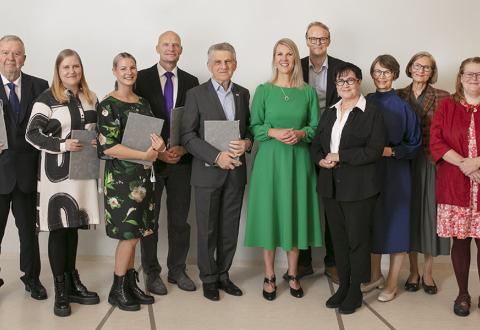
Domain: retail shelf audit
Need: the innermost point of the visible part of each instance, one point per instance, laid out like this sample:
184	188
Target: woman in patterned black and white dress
64	205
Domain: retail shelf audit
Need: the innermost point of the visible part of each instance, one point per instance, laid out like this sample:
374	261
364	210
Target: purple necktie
168	93
13	99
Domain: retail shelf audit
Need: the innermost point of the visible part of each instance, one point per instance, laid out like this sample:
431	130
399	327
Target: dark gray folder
84	164
137	133
3	129
175	122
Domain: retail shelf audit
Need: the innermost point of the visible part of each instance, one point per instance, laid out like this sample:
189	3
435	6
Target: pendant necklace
285	96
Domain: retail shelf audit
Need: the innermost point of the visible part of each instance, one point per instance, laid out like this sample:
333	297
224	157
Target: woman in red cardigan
454	137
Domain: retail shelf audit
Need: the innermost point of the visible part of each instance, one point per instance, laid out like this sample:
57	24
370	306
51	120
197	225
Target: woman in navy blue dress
391	229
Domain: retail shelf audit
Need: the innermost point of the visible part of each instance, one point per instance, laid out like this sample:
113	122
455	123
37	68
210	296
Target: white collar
361	103
17	82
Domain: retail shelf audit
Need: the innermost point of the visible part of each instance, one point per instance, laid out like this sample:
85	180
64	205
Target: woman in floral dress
454	143
129	197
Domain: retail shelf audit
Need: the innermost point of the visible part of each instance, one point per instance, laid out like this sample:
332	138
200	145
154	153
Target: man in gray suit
218	177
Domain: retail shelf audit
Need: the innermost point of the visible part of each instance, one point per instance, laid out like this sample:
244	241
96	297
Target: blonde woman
282	202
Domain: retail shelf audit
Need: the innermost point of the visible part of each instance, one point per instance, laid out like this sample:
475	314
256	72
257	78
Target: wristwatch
393	152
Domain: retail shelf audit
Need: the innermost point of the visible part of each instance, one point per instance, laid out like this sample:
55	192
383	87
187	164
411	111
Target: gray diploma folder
137	133
84	164
219	133
3	129
175	122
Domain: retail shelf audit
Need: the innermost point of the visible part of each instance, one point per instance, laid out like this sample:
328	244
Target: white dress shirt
18	86
163	80
340	122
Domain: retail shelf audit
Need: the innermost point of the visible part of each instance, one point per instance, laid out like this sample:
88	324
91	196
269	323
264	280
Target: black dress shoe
413	287
155	285
230	288
302	271
270	295
352	301
36	289
210	291
430	289
338	297
297	293
183	281
461	307
77	292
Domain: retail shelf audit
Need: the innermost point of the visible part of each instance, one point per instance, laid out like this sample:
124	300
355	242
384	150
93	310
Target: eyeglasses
419	67
379	73
349	82
471	75
319	41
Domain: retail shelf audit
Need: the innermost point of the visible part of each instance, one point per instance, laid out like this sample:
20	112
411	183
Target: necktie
168	93
13	99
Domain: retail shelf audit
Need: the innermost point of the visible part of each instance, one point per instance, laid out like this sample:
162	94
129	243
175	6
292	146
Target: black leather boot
77	292
120	295
61	306
137	293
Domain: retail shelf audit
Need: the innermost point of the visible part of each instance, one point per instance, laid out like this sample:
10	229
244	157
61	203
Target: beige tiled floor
182	310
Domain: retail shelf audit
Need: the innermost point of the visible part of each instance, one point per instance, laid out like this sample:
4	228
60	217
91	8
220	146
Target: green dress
283	206
128	191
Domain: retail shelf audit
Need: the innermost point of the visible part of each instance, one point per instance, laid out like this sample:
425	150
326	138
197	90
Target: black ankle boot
338	297
120	295
137	293
61	306
77	292
352	301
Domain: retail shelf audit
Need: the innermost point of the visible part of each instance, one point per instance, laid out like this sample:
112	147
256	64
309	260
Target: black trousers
351	228
176	180
305	256
23	207
218	218
62	250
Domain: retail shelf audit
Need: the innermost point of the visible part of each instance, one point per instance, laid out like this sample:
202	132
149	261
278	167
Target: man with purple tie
164	85
18	163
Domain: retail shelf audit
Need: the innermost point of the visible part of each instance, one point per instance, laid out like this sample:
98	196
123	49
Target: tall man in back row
318	71
165	86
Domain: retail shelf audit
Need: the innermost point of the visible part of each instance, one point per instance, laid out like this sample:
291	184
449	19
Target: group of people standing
366	166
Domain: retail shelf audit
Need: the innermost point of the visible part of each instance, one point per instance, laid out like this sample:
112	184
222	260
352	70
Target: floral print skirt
129	200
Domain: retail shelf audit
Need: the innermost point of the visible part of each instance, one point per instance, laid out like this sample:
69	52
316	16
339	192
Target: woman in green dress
129	197
282	201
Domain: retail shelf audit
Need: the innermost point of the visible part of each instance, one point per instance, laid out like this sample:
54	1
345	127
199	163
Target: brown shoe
331	273
461	307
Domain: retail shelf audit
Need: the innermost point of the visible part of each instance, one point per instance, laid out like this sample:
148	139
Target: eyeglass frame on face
349	82
378	73
469	75
318	41
419	67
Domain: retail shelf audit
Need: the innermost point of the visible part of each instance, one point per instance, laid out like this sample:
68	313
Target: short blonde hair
434	76
296	78
58	90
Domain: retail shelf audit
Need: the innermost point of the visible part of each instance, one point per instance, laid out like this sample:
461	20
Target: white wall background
360	30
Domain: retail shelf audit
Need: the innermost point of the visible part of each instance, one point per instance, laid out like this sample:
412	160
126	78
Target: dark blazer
333	63
148	86
19	163
203	104
361	146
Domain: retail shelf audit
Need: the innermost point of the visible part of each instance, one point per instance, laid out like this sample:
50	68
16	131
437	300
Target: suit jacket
425	111
148	86
203	104
333	63
361	146
19	163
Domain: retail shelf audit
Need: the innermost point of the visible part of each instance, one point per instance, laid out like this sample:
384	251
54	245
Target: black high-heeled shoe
270	295
297	293
430	289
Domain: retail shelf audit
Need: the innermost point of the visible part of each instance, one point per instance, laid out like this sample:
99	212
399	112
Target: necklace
285	96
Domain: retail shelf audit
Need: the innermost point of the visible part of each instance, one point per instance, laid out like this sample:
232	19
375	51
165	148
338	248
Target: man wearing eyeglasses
19	162
318	70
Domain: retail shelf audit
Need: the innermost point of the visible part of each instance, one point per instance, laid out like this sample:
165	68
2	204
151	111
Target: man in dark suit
165	86
218	177
318	70
19	163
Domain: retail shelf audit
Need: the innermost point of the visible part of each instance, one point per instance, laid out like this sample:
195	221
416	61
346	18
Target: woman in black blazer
348	143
